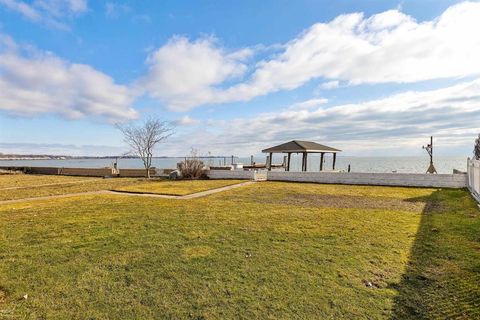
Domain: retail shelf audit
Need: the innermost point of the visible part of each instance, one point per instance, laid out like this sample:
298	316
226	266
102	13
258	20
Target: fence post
473	175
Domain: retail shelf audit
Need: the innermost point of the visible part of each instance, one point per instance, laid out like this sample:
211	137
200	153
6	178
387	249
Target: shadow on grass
442	280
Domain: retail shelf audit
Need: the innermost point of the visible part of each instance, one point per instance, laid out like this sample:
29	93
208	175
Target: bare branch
142	139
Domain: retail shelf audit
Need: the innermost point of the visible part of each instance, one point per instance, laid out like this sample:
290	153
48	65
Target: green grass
268	250
178	188
87	184
25	180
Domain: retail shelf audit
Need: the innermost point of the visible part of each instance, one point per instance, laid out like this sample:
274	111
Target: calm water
358	164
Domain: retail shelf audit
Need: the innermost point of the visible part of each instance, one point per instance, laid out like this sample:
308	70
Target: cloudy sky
368	77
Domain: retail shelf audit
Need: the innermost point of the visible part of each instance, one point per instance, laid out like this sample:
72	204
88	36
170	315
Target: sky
373	78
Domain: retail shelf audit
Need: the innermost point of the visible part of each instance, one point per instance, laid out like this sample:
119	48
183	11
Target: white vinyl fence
473	172
361	178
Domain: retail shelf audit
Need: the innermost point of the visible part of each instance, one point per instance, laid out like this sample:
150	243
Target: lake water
358	164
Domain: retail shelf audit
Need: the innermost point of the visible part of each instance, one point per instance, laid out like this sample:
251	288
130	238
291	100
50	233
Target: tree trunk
148	172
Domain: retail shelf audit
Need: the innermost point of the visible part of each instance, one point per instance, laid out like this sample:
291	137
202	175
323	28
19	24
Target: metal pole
321	161
288	161
431	150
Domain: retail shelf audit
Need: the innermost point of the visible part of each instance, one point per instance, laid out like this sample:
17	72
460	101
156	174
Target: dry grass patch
26	180
177	187
86	185
342	201
198	252
3	297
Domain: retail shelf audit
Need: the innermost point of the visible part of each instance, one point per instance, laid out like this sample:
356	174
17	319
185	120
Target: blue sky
369	77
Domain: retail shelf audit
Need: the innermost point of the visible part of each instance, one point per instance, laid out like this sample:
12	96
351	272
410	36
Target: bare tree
476	149
143	138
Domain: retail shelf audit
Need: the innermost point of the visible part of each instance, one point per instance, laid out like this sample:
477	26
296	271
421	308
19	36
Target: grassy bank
268	250
29	180
58	185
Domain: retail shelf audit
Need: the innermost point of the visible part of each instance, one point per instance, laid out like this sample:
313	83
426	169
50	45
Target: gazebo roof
300	146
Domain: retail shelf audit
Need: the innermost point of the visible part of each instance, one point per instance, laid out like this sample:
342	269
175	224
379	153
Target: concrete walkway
133	194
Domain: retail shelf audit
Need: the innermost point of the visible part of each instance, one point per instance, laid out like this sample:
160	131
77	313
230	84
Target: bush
476	150
192	169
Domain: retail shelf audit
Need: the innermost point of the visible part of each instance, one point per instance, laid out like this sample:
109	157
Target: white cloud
114	10
308	104
24	9
187	121
59	8
388	47
183	74
330	85
399	123
40	83
61	149
48	12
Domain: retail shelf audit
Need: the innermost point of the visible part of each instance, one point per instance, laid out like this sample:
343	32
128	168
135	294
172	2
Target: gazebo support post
305	159
321	161
270	162
334	160
288	162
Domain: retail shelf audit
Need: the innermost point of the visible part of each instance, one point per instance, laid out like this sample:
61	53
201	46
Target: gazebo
303	147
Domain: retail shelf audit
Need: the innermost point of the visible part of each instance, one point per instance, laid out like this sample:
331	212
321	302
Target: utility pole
429	149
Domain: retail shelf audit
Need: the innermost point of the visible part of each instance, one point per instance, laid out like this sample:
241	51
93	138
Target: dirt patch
339	201
198	252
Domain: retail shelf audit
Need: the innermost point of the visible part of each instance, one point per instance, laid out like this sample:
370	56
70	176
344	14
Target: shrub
192	167
476	149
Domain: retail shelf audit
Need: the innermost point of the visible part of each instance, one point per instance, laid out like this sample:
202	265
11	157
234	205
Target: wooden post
334	159
288	162
270	162
321	160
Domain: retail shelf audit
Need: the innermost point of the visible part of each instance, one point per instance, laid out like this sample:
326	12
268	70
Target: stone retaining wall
86	172
89	172
136	173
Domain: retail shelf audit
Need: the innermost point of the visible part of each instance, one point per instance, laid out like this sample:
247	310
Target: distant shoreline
6	157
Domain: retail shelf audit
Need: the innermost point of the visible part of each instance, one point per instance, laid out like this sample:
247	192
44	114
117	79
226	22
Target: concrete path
132	194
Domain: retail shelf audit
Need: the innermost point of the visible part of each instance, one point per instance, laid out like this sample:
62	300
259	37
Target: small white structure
237	166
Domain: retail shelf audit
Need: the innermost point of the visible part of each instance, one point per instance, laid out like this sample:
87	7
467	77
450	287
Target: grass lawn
37	190
267	250
25	180
178	188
